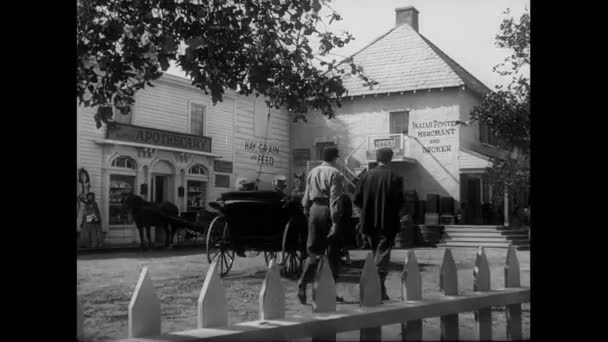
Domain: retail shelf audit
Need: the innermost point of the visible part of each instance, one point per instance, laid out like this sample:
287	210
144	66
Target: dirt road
106	283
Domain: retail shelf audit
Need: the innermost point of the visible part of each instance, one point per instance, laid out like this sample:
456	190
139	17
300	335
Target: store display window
196	191
120	184
196	188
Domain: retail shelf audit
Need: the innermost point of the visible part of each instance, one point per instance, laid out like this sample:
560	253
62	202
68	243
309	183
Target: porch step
482	240
486	235
470	226
525	247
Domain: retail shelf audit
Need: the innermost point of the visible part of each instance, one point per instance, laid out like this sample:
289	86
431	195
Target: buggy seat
256	214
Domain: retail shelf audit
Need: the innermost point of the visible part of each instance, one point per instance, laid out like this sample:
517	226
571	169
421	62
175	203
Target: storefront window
197	170
196	195
120	184
124	162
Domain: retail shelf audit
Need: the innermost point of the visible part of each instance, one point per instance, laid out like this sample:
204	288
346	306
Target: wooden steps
487	236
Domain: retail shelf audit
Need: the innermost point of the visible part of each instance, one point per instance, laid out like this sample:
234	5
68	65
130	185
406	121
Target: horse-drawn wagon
263	221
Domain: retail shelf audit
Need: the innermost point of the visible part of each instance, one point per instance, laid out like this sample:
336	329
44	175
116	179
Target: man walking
323	189
379	194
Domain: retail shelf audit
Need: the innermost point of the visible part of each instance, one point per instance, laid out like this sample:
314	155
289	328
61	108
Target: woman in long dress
91	223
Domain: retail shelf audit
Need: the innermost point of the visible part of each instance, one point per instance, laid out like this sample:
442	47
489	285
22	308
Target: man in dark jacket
379	194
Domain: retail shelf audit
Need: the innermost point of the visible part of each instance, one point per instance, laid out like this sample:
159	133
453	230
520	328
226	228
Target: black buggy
262	221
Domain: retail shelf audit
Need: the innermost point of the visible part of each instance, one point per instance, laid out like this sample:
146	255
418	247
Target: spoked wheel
292	254
218	245
269	256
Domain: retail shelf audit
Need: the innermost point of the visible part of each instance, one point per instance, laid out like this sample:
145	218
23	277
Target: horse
146	214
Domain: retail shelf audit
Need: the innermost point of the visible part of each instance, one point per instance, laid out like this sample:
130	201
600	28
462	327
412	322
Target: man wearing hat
323	190
280	183
245	184
379	194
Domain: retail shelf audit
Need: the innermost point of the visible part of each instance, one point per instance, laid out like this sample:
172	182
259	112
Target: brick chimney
407	15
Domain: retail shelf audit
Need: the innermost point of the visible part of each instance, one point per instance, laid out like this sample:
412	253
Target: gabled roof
404	60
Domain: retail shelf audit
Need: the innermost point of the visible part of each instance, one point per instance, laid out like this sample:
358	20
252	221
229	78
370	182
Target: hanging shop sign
436	135
393	143
152	136
222	166
263	154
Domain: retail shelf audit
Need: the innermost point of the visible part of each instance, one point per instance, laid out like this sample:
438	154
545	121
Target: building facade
177	146
417	109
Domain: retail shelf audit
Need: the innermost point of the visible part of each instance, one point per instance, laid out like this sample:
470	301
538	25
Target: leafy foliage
245	45
507	111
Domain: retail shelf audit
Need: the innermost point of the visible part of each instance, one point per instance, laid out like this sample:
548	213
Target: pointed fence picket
513	311
481	283
370	296
448	282
144	308
411	290
211	304
326	321
324	298
272	295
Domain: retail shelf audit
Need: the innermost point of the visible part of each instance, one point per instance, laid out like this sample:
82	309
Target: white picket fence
326	321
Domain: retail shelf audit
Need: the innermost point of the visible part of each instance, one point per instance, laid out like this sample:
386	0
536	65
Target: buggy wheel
218	245
269	256
292	254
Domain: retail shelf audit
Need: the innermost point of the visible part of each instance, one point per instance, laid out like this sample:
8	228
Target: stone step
484	240
470	226
473	244
489	237
474	238
487	230
491	234
488	245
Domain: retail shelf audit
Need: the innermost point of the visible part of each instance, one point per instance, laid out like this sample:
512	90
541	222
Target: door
160	193
473	196
321	146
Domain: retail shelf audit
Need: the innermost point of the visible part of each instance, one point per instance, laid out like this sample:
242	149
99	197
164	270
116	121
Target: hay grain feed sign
264	154
436	134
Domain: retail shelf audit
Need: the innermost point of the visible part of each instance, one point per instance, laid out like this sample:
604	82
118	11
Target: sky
464	29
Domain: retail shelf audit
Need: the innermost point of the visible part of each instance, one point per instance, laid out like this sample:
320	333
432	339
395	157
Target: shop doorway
471	194
162	188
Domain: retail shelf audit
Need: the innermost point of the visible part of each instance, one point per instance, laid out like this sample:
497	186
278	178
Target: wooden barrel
408	235
447	205
432	203
420	211
431	234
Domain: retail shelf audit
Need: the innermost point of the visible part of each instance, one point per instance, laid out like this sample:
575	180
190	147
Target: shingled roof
404	60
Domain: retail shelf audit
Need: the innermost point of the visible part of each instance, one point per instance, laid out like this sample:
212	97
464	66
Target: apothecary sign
152	136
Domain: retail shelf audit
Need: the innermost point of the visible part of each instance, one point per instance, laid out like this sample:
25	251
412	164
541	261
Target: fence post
513	311
481	282
411	289
448	283
324	297
79	320
211	304
272	295
370	295
144	308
